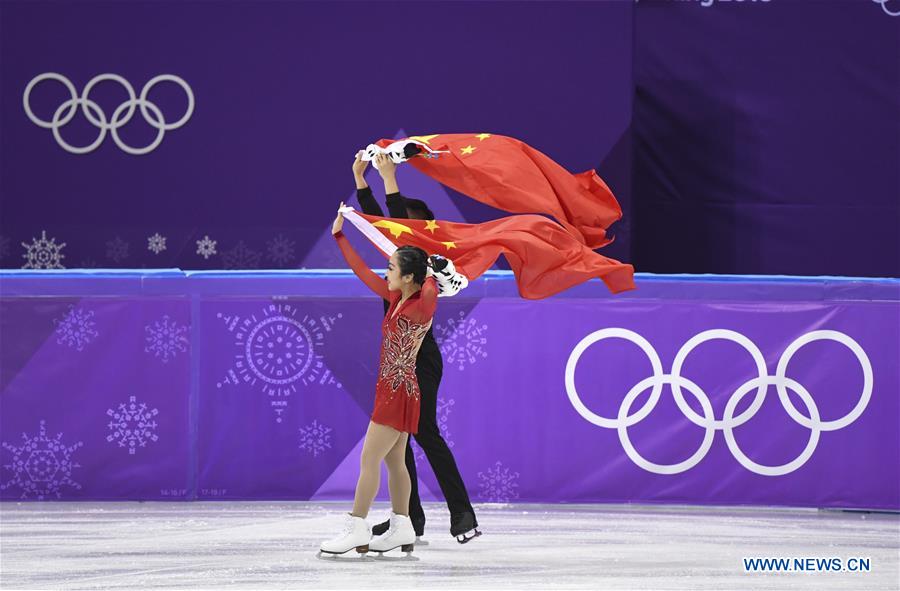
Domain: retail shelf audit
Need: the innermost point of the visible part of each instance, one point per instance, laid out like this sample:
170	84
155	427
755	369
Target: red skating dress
397	397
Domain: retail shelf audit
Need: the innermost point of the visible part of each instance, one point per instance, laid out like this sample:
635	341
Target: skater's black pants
439	455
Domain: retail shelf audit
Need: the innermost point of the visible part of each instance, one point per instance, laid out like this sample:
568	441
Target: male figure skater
429	369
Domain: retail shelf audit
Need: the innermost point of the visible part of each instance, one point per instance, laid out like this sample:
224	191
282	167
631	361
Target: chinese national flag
510	175
544	257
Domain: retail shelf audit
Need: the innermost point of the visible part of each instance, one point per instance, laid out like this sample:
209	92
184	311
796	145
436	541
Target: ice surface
269	545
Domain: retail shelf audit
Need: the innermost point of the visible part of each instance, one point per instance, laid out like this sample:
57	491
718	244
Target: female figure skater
412	293
429	369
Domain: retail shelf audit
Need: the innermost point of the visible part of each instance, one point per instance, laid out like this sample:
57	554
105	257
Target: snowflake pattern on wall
277	350
281	250
206	247
76	328
41	466
166	338
117	250
156	243
132	425
43	253
462	340
240	257
498	484
315	438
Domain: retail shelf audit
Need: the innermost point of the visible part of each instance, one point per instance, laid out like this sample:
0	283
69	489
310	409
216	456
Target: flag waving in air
544	257
508	174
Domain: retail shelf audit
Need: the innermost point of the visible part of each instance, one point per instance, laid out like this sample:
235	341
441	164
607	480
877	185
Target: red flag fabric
544	257
511	175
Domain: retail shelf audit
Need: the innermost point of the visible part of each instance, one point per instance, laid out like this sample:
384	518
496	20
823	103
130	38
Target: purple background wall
286	92
751	137
145	387
767	137
740	137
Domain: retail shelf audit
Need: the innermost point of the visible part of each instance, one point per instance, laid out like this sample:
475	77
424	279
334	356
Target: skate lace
391	529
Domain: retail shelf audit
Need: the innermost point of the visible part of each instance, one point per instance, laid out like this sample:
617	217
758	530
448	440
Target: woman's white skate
400	535
353	539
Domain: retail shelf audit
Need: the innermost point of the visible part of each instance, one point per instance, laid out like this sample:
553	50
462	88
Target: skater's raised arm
428	298
363	191
366	275
396	203
388	171
427	304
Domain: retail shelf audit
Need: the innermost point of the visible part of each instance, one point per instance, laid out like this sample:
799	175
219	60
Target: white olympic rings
95	115
707	420
884	7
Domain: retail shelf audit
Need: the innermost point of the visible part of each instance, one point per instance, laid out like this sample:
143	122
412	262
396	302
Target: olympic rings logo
121	116
707	421
884	6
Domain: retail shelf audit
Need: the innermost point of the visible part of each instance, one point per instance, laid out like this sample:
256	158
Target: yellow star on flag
449	245
423	138
483	136
393	227
431	226
468	149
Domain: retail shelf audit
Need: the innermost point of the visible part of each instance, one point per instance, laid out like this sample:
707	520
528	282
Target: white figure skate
400	534
355	536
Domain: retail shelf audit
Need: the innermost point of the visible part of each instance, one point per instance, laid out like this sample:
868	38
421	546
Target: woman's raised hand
338	221
359	165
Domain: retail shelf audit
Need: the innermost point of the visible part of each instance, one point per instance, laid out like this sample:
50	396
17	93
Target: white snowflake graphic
315	438
462	341
117	250
278	351
206	247
4	247
281	250
498	484
156	243
43	253
76	328
443	413
240	257
41	466
132	425
166	338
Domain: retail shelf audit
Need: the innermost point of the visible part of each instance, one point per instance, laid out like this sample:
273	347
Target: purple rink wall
171	385
756	137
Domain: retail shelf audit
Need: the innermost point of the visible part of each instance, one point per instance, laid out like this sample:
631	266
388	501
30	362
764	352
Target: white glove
395	151
449	282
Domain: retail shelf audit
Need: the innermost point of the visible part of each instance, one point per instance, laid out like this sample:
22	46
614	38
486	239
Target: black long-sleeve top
429	357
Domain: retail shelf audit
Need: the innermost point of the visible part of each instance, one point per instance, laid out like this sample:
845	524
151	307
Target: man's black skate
463	527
